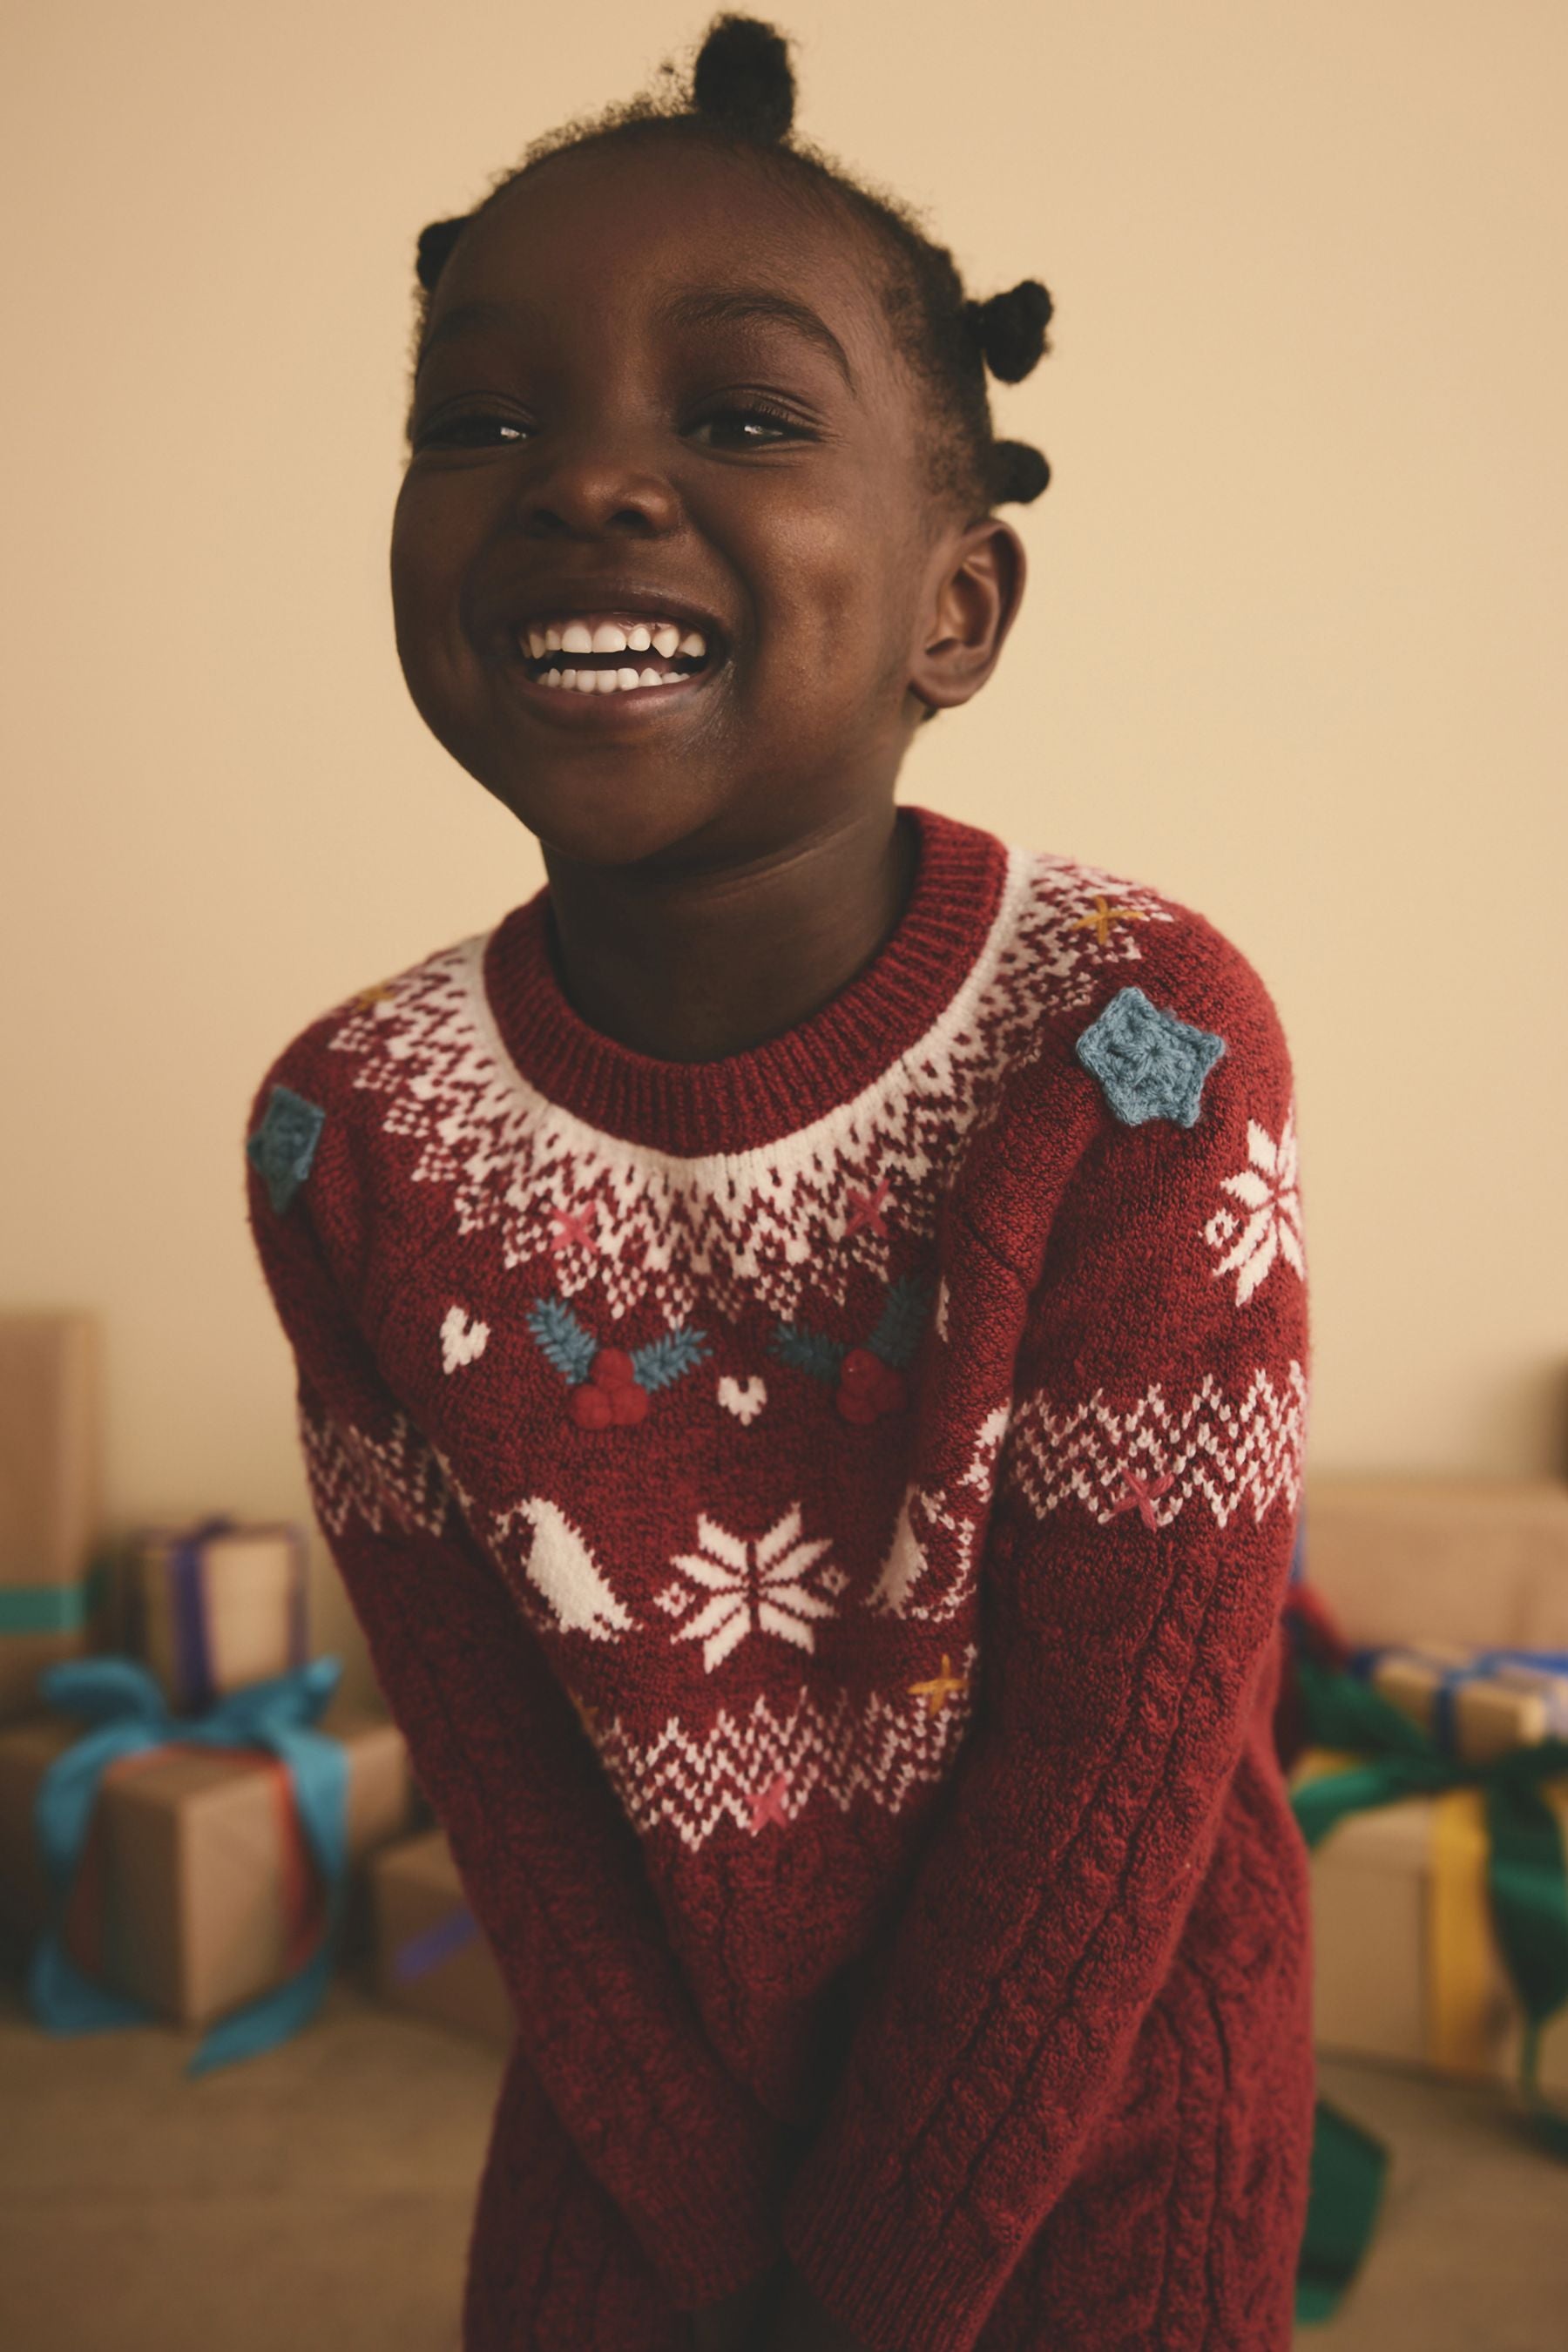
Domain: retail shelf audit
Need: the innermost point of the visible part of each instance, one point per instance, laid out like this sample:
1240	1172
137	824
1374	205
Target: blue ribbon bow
1449	1678
128	1705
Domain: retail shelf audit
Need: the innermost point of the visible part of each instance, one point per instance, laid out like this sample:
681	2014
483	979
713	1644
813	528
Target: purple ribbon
426	1950
193	1651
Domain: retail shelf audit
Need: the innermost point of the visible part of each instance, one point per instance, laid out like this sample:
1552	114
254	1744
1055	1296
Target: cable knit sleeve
1136	1558
548	1867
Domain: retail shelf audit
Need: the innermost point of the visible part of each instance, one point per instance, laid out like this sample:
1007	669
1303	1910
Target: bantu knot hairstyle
741	95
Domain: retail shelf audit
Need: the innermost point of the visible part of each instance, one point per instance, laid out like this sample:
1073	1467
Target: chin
609	813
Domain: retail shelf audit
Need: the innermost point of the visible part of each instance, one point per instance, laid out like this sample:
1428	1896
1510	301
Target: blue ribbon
128	1705
1450	1678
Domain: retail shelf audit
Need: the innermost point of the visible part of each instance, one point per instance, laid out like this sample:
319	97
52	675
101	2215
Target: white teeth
590	636
610	681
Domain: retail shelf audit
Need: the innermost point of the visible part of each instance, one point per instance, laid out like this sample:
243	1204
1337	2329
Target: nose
594	481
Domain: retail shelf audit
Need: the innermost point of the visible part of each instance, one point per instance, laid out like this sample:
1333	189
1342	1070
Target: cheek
428	550
835	583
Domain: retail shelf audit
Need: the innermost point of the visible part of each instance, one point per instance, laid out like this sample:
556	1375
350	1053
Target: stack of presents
196	1828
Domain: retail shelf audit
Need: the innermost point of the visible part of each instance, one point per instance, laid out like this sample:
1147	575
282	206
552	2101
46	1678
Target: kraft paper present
431	1956
211	1608
1478	1705
54	1595
1481	1563
1405	1965
195	1893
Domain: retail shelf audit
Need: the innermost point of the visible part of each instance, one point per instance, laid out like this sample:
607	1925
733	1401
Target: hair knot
435	248
743	80
1011	329
1018	473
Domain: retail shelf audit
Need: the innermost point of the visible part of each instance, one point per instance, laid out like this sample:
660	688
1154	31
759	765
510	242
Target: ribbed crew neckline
740	1101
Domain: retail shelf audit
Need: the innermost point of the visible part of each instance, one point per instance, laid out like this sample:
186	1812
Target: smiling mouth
600	654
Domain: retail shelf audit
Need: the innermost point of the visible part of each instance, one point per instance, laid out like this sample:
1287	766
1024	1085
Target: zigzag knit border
1229	1454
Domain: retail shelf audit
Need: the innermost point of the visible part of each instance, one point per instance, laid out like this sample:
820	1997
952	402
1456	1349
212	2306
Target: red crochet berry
612	1369
628	1405
861	1369
591	1408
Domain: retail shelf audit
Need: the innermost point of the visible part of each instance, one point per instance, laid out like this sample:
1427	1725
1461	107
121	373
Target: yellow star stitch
1104	915
368	997
941	1688
588	1716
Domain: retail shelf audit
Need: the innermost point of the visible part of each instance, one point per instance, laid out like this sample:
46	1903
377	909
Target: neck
691	965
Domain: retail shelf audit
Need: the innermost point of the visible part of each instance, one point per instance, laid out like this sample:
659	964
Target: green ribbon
1527	1885
1527	1874
53	1608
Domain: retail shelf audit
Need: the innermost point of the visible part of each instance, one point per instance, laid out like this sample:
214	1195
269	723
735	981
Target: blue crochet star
1151	1064
284	1144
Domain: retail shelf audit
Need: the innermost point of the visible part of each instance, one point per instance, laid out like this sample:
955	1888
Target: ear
976	588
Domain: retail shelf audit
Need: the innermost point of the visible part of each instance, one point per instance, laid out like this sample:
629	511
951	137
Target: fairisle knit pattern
820	1518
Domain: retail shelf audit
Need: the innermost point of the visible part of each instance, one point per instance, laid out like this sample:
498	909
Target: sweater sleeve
548	1865
1136	1560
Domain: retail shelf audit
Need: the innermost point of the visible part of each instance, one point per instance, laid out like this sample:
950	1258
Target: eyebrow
725	305
461	321
703	306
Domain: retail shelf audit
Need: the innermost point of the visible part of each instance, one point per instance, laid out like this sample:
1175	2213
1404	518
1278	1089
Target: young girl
800	1332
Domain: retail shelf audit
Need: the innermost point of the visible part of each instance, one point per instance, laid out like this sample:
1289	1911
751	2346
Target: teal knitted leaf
664	1361
898	1334
562	1340
809	1352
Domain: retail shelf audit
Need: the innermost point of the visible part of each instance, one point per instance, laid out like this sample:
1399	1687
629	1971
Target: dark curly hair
742	97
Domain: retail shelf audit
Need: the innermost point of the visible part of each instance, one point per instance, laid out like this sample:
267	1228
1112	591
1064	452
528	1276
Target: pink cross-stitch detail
767	1805
1141	1495
866	1209
574	1230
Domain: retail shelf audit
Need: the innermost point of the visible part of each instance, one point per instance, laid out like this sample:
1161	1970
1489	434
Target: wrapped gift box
1477	1704
1406	1966
211	1608
204	1898
1481	1563
431	1956
53	1596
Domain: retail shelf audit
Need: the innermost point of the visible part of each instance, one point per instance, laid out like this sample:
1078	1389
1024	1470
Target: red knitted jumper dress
820	1518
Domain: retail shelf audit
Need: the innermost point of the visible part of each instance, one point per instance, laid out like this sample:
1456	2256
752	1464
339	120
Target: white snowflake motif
753	1587
1267	1189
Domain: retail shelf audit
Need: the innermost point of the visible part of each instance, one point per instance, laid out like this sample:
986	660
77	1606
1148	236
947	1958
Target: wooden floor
317	2199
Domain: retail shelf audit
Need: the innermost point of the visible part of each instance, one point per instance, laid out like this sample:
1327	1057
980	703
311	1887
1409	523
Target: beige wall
1292	649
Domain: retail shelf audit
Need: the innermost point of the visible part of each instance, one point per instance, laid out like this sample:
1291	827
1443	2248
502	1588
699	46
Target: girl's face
658	391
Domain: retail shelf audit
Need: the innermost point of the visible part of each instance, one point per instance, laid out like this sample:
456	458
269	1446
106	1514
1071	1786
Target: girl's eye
747	428
472	432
